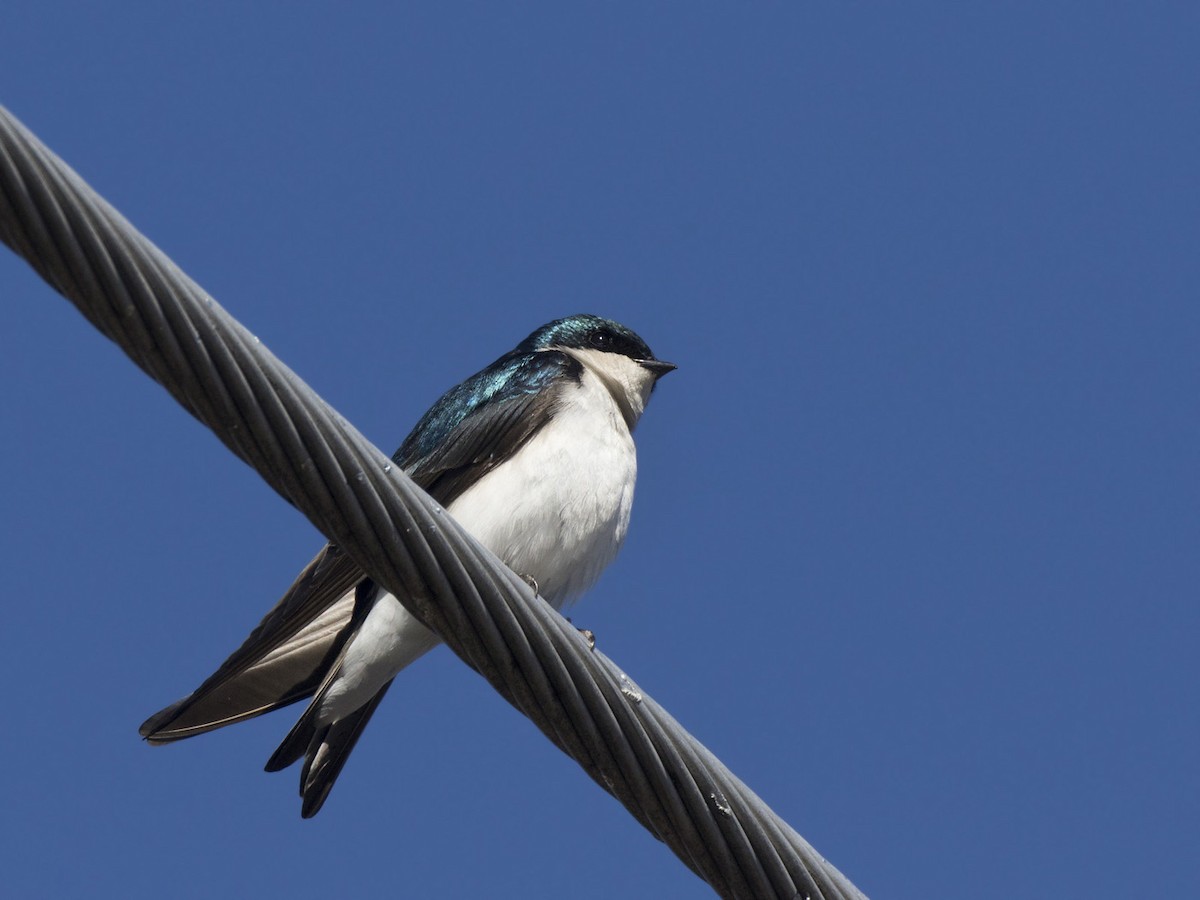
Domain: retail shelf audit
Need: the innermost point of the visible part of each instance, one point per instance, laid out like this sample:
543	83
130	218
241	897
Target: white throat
628	382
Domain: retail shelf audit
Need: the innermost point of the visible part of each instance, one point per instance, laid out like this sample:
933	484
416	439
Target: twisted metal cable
348	489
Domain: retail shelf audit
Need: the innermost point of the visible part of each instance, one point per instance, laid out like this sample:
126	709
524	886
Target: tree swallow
533	455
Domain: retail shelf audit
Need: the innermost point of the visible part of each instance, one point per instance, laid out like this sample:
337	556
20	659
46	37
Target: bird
533	455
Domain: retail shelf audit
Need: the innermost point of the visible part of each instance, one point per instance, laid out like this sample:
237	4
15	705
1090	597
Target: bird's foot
531	581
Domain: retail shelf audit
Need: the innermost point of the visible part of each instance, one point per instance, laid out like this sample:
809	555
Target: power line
348	489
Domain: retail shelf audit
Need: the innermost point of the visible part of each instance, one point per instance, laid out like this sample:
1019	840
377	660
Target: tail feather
297	741
328	751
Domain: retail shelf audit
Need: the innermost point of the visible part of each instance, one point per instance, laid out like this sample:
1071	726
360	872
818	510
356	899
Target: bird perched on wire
533	455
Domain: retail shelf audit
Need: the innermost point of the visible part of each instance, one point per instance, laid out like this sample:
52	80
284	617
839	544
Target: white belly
560	508
558	512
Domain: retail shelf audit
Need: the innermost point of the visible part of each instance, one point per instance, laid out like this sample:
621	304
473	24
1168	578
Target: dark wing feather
465	435
469	432
282	661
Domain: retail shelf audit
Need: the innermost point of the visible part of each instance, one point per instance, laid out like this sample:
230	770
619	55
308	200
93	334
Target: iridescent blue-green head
586	332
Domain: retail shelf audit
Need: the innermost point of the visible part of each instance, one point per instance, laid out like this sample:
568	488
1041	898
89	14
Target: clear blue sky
915	546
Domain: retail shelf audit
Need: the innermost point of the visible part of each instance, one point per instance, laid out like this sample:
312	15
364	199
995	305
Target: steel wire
317	461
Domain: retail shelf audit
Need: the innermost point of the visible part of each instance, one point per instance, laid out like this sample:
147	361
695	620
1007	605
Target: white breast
558	510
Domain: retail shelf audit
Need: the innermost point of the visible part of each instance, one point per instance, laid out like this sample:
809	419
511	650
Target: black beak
657	366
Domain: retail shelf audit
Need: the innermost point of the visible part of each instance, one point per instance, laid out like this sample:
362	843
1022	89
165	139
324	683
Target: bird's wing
470	432
282	661
463	437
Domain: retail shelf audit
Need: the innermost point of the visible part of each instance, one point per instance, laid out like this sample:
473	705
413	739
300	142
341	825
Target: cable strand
487	615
